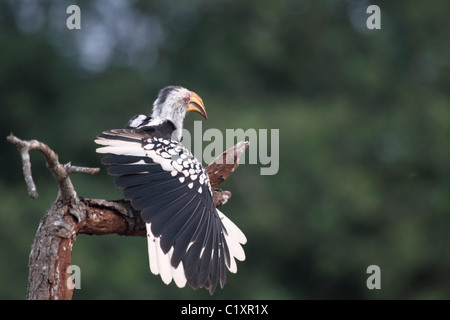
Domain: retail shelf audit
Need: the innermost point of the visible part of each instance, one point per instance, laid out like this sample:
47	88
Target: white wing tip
160	262
234	238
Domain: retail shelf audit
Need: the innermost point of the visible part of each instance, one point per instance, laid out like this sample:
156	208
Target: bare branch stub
60	172
75	169
221	197
24	148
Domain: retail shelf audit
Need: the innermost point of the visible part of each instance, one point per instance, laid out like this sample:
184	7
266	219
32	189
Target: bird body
189	239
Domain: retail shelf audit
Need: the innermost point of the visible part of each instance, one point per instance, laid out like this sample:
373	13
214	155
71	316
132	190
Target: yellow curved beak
195	103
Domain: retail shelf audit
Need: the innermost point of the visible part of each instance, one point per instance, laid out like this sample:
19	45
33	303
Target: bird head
174	102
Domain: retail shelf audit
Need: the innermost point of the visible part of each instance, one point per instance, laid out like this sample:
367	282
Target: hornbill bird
189	239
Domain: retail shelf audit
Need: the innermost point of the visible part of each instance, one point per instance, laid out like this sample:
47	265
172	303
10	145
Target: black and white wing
189	240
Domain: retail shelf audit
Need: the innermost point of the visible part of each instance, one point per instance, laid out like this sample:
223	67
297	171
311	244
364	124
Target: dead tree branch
71	215
60	172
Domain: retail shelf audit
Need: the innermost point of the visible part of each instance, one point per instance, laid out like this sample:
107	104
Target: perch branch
70	215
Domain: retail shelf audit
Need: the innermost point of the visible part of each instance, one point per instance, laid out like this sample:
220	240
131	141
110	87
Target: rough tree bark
71	215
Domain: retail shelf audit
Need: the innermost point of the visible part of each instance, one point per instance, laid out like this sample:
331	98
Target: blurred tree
364	122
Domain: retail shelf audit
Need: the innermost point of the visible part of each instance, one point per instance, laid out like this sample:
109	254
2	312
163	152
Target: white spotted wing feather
189	240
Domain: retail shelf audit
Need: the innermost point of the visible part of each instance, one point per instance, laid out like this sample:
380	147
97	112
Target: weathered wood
225	164
51	255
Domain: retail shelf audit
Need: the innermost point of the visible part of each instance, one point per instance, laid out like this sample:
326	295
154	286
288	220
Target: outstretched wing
189	240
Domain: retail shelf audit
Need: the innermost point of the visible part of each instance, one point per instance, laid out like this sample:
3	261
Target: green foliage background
364	119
